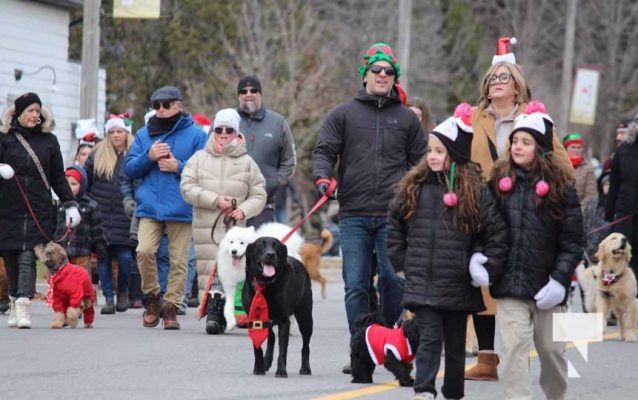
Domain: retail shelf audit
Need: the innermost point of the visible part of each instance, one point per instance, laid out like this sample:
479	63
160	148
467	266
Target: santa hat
502	52
573	138
456	133
116	122
379	52
88	140
537	123
227	117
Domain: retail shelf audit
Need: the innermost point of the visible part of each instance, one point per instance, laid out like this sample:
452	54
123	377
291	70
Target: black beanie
250	80
24	101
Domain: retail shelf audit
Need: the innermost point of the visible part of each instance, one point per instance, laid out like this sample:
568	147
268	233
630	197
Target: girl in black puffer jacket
448	238
541	207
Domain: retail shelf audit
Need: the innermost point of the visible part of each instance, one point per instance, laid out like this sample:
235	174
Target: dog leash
614	222
331	188
228	221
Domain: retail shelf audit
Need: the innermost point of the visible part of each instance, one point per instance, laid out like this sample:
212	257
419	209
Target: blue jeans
163	266
124	257
359	237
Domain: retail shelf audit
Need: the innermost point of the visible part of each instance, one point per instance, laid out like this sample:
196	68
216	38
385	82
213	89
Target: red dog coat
381	339
68	287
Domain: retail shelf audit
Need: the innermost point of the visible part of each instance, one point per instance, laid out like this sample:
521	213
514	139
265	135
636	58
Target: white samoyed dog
231	258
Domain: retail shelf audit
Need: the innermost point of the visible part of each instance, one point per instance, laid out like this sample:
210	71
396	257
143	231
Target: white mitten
73	217
550	295
6	171
480	277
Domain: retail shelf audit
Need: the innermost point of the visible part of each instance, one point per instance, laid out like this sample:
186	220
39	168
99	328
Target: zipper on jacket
519	242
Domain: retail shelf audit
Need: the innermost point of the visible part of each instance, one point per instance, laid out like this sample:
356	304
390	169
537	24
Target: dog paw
360	379
57	325
630	338
259	371
406	382
58	321
281	374
88	326
305	371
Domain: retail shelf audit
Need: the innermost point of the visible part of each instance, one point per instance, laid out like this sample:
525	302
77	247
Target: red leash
614	222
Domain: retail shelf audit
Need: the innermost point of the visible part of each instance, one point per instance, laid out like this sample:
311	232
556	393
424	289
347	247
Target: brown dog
611	284
311	258
70	290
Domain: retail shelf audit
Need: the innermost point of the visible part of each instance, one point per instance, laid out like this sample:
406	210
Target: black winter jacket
375	140
539	245
88	235
622	199
435	257
108	195
18	231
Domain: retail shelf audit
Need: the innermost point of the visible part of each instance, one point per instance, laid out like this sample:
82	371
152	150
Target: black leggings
485	328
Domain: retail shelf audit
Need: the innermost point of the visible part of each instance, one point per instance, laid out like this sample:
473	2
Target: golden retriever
311	258
611	284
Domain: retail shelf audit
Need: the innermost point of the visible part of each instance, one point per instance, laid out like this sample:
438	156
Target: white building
34	38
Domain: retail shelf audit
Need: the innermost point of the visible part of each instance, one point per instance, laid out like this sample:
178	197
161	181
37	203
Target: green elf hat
379	52
573	138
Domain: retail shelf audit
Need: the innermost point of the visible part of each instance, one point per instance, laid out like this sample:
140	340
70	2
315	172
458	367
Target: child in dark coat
540	204
448	238
88	236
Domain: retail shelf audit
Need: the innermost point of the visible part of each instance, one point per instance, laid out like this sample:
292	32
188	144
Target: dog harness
381	339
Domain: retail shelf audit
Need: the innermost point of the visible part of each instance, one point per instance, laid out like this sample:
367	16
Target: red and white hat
502	52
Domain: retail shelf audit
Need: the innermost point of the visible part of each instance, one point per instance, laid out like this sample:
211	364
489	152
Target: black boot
193	301
215	321
122	301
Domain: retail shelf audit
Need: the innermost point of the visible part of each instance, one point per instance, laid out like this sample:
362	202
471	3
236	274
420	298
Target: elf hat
456	133
379	52
502	52
573	138
537	123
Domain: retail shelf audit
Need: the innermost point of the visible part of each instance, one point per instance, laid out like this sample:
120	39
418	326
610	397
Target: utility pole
90	59
568	68
405	22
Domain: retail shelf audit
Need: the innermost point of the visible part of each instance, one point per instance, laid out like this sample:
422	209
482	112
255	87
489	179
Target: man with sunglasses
375	139
269	142
156	158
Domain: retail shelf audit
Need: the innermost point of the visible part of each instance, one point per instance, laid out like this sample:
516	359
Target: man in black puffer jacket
375	139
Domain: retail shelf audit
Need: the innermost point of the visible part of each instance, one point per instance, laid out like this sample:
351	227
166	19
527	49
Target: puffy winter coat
375	140
106	192
435	257
622	199
18	231
209	174
158	196
540	246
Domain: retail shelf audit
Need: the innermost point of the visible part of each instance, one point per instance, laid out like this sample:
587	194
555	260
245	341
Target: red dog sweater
68	287
381	339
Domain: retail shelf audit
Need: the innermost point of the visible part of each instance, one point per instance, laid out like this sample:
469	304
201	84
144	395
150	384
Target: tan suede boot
485	368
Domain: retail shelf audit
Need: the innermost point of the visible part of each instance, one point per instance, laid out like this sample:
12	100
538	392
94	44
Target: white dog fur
231	261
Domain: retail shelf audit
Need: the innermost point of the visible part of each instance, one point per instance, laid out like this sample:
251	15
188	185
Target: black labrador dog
285	284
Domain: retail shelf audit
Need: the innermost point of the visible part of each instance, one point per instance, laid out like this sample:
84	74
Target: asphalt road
120	359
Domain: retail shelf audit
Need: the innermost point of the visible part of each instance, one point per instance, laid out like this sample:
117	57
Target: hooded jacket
375	140
18	230
208	174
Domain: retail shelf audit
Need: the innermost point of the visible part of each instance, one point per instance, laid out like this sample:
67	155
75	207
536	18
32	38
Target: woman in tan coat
211	180
503	96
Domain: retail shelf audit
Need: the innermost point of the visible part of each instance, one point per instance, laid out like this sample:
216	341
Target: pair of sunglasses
166	104
219	130
252	91
376	69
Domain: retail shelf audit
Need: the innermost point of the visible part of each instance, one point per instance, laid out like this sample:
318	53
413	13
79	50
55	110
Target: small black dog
285	284
373	343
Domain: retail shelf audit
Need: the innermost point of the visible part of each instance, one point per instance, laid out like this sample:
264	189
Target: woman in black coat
27	212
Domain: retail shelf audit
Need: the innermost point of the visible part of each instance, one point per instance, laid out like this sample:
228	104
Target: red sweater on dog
68	287
381	339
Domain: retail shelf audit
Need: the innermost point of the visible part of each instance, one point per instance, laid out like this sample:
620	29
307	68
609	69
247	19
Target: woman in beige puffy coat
211	179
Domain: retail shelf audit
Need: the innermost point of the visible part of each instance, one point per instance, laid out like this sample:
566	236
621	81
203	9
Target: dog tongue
268	270
236	261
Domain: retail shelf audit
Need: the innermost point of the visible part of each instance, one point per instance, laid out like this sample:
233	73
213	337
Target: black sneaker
108	308
4	306
612	320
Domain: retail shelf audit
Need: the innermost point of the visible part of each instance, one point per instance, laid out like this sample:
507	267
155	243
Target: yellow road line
383	387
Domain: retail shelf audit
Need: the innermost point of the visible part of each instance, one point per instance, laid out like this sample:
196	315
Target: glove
6	171
480	277
321	187
129	206
73	217
102	252
550	295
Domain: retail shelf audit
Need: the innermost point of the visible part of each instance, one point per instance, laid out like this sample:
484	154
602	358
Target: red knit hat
74	173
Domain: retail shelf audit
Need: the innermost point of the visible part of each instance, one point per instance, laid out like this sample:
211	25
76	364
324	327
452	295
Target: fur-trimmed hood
8	115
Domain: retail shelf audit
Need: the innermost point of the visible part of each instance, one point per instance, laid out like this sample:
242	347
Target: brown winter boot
485	368
170	316
151	313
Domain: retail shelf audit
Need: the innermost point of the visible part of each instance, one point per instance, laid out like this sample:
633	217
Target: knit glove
550	295
480	277
73	217
129	206
6	171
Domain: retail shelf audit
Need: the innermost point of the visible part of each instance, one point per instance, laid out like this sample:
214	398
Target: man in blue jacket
157	158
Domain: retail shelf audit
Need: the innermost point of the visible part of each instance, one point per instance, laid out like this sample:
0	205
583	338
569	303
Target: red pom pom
542	188
89	137
450	199
535	106
464	112
505	184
